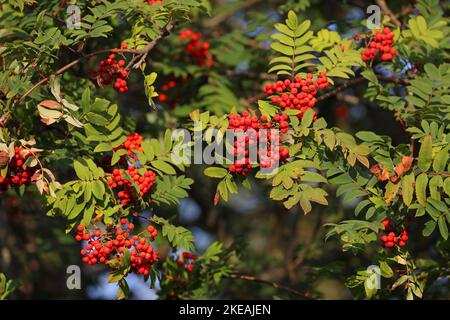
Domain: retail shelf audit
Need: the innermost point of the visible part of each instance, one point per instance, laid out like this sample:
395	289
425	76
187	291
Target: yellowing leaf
421	189
408	188
391	191
426	153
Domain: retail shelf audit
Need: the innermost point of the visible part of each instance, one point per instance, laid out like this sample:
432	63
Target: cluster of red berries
165	87
187	261
281	119
16	174
132	144
112	70
298	94
248	132
167	95
104	246
390	239
127	193
382	42
122	179
196	48
154	1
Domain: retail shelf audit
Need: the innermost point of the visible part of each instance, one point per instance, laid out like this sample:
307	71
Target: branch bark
384	7
140	54
165	31
228	12
340	88
303	296
434	173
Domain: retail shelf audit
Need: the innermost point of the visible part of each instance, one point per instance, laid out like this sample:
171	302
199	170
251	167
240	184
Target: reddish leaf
4	157
50	104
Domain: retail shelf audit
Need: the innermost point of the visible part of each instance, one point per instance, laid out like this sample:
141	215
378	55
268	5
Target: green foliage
95	24
103	127
179	237
296	44
291	46
217	98
170	189
79	201
48	98
6	286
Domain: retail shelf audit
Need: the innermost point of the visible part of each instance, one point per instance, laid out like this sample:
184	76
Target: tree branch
228	12
434	173
140	54
395	80
273	284
70	65
165	31
384	7
340	88
352	82
301	258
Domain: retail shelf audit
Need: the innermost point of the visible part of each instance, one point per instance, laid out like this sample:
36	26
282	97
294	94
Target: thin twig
142	54
4	62
411	145
384	7
60	7
228	12
256	98
301	258
340	88
434	173
70	65
251	75
395	80
273	284
352	82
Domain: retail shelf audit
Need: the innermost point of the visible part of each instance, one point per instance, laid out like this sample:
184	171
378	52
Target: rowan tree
357	173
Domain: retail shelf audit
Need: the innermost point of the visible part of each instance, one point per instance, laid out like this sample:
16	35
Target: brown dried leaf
40	184
48	121
50	104
407	162
36	176
4	157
